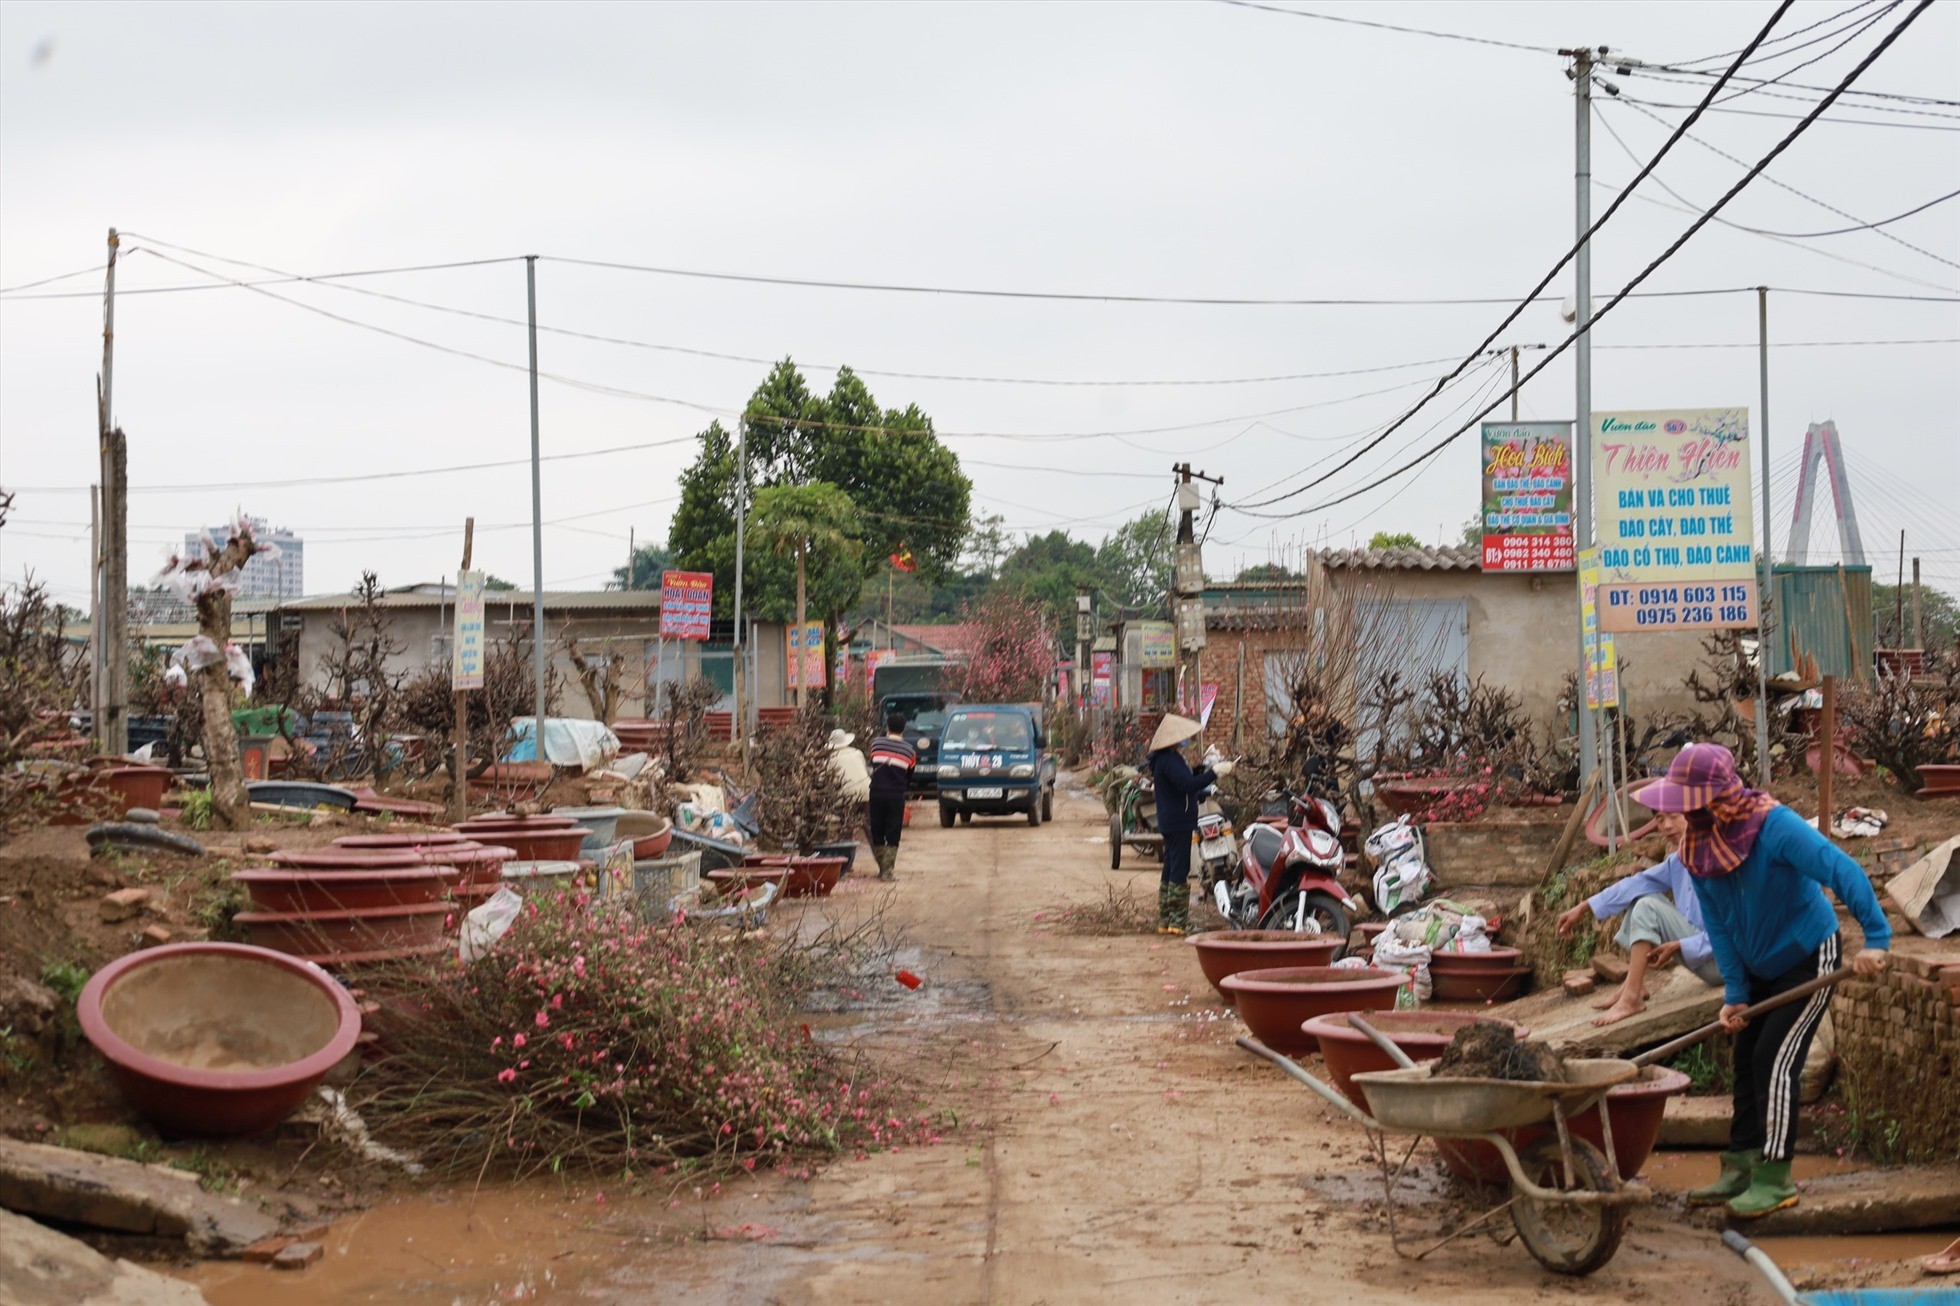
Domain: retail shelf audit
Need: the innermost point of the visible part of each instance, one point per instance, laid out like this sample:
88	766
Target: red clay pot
534	845
1275	1004
341	932
1939	781
1228	952
812	877
502	821
532	876
480	863
1635	1111
729	880
335	858
1477	984
1467	962
416	839
765	859
307	892
108	792
367	800
216	1038
650	833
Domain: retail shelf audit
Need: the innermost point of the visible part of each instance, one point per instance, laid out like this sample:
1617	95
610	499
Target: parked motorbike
1402	874
1285	877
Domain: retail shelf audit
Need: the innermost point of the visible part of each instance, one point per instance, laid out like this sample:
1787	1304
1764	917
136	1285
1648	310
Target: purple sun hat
1699	774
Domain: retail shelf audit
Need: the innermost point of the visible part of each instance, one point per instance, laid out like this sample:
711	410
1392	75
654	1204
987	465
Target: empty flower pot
1228	952
339	858
306	892
1463	963
1422	1036
367	800
1275	1004
539	845
411	839
733	880
649	831
1476	983
529	876
601	823
479	863
341	932
812	877
1635	1111
765	859
216	1039
108	792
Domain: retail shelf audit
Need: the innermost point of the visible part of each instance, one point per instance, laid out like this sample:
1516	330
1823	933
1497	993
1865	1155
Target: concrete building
280	574
605	623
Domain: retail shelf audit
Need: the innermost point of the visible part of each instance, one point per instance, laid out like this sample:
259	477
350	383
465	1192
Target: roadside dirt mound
1490	1050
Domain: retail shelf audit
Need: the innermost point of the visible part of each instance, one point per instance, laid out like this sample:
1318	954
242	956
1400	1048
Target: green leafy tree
1138	561
813	521
492	581
1052	569
649	560
1939	614
907	488
1395	540
1266	571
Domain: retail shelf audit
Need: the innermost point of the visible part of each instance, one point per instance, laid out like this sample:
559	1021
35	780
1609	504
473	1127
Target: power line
1546	280
1785	344
1392	27
1645	272
1783	185
1777	40
229	283
1861	26
1634	68
1793	117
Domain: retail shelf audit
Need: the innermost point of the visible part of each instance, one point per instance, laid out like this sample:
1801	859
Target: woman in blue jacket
1760	872
1178	790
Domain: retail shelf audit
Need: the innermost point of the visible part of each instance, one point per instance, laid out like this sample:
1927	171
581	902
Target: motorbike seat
1264	842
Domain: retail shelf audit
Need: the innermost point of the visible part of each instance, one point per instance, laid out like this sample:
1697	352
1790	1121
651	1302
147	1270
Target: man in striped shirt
892	761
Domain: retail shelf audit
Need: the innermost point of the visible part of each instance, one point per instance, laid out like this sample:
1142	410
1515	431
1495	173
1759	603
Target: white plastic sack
1472	935
198	652
487	923
175	675
239	667
1392	953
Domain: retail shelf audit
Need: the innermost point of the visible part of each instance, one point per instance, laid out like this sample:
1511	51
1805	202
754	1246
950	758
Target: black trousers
1769	1057
1177	858
886	817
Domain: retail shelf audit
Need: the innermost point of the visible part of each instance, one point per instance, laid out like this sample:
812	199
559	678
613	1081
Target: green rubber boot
1731	1183
1173	908
887	859
1769	1190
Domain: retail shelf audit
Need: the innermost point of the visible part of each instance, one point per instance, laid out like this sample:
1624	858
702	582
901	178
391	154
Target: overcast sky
1195	149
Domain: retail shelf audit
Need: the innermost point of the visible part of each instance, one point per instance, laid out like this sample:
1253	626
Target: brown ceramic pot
307	892
1228	952
812	877
341	932
1275	1004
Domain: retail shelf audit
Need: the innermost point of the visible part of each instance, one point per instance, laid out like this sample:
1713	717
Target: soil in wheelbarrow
1491	1049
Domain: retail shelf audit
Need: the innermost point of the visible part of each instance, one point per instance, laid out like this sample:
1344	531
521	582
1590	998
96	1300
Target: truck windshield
979	732
921	711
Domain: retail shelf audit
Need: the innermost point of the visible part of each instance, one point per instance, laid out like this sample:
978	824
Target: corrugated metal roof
554	601
1439	557
1825	613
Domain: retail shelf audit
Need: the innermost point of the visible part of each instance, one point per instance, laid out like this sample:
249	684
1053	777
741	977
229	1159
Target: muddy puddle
1831	1257
1677	1172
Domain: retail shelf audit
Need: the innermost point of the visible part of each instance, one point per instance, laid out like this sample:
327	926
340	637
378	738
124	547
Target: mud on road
1112	1146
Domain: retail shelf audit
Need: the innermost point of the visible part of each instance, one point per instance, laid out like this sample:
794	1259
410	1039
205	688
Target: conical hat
1172	731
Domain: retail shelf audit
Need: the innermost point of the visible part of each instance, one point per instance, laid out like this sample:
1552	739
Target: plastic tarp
568	741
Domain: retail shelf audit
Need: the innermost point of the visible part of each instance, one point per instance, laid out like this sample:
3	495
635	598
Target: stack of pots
368	898
535	838
1494	976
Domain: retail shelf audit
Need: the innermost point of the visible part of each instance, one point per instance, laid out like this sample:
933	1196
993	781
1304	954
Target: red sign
687	601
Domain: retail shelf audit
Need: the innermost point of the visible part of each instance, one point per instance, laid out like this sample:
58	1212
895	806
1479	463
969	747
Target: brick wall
1483	854
1898	1041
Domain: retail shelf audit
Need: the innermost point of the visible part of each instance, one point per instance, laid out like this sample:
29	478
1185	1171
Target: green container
265	721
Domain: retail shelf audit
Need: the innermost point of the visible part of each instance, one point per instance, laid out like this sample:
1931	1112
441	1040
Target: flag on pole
904	561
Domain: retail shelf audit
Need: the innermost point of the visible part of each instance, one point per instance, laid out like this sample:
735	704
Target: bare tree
209	583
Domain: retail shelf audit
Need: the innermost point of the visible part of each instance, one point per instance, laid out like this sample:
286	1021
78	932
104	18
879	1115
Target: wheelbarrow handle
1714	1027
1357	1021
1759	1259
1286	1063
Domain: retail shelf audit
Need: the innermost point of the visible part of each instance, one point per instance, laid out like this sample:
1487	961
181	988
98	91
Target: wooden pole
1827	755
1918	613
459	730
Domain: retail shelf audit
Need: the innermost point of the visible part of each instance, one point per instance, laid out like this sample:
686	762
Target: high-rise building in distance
277	575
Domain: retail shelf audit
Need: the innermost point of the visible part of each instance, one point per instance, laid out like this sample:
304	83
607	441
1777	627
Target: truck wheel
1034	811
1047	804
1115	841
966	818
945	816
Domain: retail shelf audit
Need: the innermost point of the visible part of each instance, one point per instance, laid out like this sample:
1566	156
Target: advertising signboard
466	655
804	667
1602	659
686	603
1527	499
1672	518
1100	666
1157	643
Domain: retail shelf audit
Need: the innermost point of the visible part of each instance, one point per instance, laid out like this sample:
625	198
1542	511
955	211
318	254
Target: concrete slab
106	1192
1696	1122
1682	1003
39	1267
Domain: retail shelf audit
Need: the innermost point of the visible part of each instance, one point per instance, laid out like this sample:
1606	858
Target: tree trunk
231	808
803	654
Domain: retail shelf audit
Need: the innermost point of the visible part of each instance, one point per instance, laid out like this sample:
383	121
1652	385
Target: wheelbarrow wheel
1115	841
1568	1237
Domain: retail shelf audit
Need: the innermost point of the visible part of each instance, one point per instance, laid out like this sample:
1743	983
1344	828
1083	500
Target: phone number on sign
1674	607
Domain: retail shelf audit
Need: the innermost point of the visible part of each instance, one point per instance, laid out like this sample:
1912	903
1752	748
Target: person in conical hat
1178	791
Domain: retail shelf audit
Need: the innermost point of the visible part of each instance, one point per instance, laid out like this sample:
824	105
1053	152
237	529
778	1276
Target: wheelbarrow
1786	1292
1133	822
1567	1201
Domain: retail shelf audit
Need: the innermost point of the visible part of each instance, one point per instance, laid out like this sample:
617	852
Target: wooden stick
1714	1027
459	732
1573	824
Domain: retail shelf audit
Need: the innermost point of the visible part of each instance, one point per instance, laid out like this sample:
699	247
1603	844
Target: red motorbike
1286	874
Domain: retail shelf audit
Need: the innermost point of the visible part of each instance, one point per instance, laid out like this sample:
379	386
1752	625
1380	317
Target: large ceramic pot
1275	1004
341	934
1228	952
480	863
412	839
1422	1036
601	823
108	792
497	822
216	1038
734	879
337	858
649	831
554	845
308	892
1635	1111
812	877
1493	976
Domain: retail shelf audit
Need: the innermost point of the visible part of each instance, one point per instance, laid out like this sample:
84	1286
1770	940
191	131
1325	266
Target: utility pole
111	711
1899	597
1767	586
739	734
1918	613
1581	74
537	506
1514	383
632	539
459	730
1188	586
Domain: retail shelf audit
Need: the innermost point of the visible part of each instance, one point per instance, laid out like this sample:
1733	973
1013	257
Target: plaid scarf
1721	835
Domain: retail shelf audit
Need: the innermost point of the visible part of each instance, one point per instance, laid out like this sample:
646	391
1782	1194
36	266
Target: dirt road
1113	1145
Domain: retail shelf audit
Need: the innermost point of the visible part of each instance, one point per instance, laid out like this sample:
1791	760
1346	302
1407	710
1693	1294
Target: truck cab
993	760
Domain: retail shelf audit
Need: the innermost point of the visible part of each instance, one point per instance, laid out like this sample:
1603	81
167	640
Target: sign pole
1826	756
1582	425
459	730
1768	561
537	508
